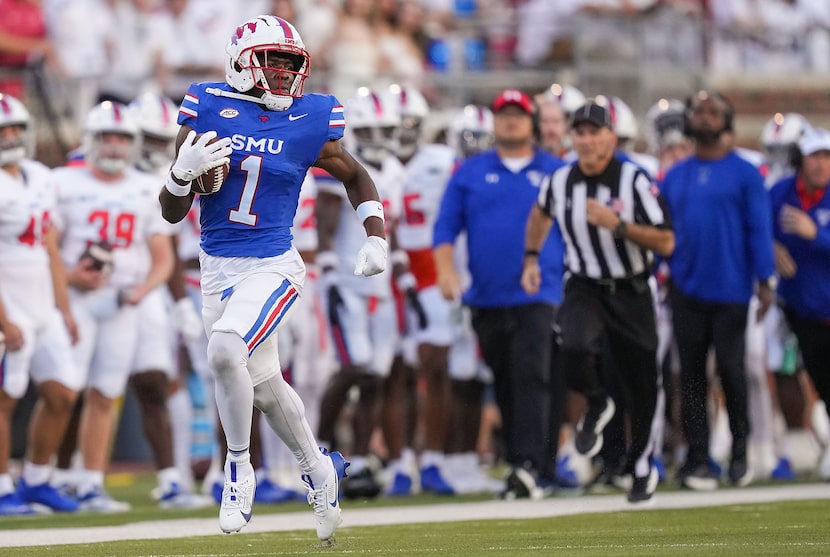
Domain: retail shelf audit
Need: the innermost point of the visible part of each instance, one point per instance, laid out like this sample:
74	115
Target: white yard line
448	512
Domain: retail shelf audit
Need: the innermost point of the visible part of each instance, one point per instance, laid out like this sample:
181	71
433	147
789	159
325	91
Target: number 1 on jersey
252	166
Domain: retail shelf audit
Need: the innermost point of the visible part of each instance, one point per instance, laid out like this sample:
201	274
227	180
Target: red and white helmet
779	139
14	113
471	130
783	129
665	121
625	124
246	60
373	120
413	110
156	118
567	96
110	118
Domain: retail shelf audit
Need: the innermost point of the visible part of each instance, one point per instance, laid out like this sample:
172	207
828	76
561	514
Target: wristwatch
620	229
771	282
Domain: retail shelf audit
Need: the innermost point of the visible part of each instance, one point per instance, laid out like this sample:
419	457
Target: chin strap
234	95
274	103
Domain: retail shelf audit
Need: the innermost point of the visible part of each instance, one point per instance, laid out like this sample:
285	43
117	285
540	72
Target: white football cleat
326	499
237	496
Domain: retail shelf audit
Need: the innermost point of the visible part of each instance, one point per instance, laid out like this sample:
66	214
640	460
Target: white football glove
188	321
371	259
197	158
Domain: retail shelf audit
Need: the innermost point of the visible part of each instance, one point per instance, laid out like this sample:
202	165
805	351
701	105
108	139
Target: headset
701	95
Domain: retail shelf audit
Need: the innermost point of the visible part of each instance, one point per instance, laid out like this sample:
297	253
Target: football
212	180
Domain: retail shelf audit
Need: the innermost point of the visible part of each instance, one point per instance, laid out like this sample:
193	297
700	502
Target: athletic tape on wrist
368	209
176	189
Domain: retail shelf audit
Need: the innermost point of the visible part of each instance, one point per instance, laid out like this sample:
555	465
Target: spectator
713	196
489	197
23	41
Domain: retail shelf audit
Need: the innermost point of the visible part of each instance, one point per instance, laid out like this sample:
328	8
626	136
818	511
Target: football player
270	133
35	317
362	314
107	200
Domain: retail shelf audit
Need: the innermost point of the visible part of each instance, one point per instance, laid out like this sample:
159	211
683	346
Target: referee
612	219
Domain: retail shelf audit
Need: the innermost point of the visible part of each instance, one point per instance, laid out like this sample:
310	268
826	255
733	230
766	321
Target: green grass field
776	528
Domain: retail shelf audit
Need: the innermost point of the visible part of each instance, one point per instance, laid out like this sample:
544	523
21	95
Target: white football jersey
126	213
427	174
351	235
304	230
27	205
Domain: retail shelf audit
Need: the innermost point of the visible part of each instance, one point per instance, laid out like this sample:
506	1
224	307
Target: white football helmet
471	130
156	117
413	110
110	118
779	140
665	121
625	124
373	121
569	97
247	60
14	113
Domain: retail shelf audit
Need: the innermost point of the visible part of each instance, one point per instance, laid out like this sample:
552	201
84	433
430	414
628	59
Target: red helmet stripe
6	108
116	113
286	28
378	106
165	113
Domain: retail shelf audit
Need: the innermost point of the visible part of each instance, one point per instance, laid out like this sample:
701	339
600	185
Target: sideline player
35	317
271	134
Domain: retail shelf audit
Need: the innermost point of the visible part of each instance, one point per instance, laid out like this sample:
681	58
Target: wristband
176	189
531	253
620	229
368	209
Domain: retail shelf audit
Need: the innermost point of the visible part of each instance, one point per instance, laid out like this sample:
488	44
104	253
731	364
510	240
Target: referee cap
592	113
515	97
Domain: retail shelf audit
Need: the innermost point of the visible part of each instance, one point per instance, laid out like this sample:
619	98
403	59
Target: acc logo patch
229	113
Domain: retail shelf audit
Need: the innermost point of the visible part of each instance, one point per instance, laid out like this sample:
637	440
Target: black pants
814	343
624	316
516	343
697	326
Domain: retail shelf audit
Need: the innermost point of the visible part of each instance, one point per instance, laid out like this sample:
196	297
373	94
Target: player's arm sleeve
337	121
450	220
189	109
759	225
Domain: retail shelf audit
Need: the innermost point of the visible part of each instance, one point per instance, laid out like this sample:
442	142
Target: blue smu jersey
251	216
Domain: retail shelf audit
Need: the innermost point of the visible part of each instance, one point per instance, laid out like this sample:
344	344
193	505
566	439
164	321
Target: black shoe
588	440
521	484
698	478
643	488
361	485
740	474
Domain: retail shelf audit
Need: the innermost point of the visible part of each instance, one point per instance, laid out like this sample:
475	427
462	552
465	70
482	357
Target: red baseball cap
516	97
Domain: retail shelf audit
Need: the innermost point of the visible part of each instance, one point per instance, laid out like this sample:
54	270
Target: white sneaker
237	496
99	501
326	499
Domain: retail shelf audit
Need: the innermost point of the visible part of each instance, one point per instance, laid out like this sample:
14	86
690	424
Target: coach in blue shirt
801	228
489	198
723	249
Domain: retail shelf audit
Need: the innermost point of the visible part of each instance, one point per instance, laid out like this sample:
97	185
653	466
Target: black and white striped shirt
592	251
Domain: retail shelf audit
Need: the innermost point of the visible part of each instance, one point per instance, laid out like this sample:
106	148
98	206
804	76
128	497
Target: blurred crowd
78	52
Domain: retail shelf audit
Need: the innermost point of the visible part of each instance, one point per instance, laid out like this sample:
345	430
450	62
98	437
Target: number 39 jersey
251	216
124	213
